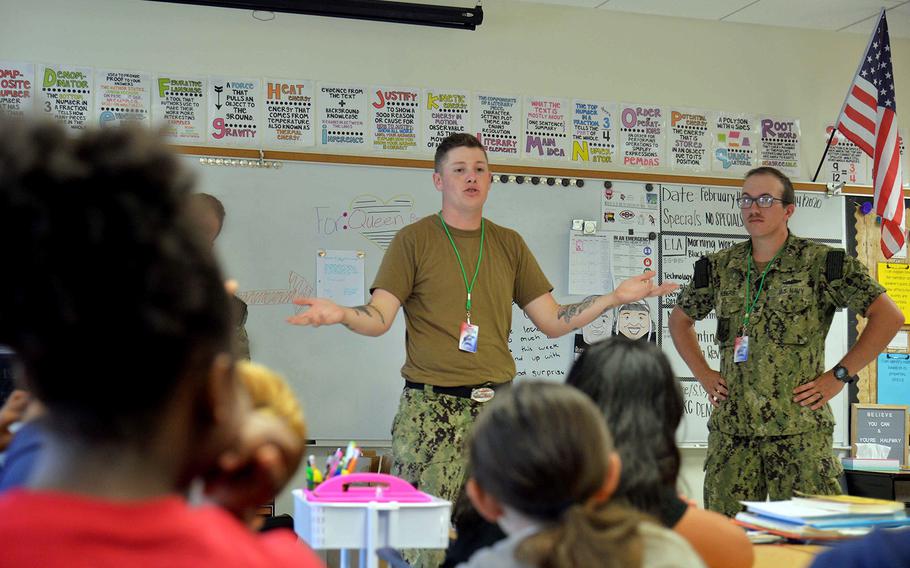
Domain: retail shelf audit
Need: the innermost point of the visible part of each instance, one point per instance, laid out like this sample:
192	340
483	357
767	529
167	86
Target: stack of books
871	464
823	517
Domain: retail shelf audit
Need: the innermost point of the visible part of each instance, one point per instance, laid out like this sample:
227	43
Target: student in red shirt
117	310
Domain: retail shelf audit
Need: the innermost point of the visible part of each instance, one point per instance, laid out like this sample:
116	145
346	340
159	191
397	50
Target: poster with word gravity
594	135
394	119
66	94
547	133
17	88
642	136
179	108
234	106
497	123
287	118
122	97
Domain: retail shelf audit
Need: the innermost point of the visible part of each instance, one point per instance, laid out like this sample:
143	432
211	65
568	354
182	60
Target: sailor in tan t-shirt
456	274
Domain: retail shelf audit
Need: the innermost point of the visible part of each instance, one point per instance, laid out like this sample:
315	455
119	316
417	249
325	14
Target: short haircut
213	204
788	195
452	141
117	299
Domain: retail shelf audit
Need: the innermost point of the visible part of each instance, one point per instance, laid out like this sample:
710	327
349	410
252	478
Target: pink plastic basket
384	489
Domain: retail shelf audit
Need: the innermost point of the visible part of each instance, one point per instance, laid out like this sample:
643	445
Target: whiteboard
279	219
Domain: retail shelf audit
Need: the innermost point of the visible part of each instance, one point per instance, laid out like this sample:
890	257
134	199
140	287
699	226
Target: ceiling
852	16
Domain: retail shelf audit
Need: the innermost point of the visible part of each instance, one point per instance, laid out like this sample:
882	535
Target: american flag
869	119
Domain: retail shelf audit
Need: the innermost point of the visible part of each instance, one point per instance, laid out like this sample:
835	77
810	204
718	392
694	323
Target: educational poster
642	136
630	206
780	145
340	276
497	123
444	112
536	355
688	141
17	88
893	382
735	141
66	94
594	136
845	162
234	106
590	263
394	119
179	108
287	118
122	97
896	280
546	128
342	116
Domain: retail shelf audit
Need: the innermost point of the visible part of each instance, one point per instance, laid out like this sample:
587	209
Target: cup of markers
338	463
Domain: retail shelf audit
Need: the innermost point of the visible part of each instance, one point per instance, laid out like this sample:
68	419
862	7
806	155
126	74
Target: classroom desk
892	485
785	555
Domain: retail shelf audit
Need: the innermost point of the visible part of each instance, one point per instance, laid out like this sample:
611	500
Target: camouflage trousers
428	450
743	468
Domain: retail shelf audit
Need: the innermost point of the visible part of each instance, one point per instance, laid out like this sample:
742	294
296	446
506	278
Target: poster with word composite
536	355
642	136
735	142
546	128
594	132
394	119
234	106
179	108
122	97
779	148
17	88
444	112
631	205
497	123
688	140
342	116
287	117
845	162
66	94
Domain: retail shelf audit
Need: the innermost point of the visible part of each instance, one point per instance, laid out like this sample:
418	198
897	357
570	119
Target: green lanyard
469	287
761	284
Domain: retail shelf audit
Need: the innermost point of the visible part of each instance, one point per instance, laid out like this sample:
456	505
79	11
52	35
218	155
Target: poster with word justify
547	133
122	97
497	123
287	115
179	108
735	142
845	161
594	134
394	119
234	106
17	88
780	145
444	112
342	116
688	140
642	136
66	94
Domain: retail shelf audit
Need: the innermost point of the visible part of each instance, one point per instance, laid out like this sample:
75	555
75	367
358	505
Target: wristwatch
842	374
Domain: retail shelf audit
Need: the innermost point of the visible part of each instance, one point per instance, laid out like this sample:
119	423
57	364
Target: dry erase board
278	220
882	424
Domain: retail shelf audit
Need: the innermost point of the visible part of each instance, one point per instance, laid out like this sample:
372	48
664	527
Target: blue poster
893	378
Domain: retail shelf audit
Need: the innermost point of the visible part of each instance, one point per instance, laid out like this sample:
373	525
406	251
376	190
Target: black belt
463	392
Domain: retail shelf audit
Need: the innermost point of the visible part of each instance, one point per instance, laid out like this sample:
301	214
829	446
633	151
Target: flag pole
825	153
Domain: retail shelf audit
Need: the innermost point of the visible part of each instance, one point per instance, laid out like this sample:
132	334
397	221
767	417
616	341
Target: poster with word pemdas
688	141
594	136
735	139
342	115
642	136
179	108
17	88
121	97
780	145
845	161
66	94
497	123
444	112
547	133
287	118
234	111
394	119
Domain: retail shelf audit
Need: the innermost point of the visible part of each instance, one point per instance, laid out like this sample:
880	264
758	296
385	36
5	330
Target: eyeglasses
764	201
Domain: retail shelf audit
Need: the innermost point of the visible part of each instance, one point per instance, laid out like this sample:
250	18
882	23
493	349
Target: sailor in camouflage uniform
774	296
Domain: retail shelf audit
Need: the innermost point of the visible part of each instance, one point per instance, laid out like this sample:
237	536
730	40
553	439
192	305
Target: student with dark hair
119	316
634	386
542	466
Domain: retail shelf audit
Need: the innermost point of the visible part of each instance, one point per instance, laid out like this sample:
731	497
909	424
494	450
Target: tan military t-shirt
421	270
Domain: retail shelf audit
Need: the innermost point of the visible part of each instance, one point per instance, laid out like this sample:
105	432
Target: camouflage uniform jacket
787	331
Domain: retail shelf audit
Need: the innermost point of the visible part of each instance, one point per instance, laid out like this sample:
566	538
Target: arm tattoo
365	310
566	313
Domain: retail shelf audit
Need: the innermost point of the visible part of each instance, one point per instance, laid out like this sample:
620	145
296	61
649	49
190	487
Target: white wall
521	48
